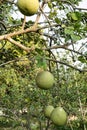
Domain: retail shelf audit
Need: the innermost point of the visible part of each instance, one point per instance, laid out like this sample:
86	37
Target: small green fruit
44	80
48	110
59	116
28	7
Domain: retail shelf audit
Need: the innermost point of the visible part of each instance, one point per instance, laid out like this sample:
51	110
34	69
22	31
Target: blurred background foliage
21	101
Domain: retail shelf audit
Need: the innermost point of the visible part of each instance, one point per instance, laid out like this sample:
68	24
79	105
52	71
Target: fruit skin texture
48	110
44	80
28	7
59	116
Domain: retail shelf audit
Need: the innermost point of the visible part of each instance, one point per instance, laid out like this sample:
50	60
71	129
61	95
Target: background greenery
59	46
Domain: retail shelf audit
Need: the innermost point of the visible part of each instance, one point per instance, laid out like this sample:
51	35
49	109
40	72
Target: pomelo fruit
28	7
59	116
47	111
44	80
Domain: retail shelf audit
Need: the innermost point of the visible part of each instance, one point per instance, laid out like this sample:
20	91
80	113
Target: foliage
57	44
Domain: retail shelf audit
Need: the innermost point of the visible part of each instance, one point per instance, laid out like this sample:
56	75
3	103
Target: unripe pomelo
44	80
48	110
28	7
59	116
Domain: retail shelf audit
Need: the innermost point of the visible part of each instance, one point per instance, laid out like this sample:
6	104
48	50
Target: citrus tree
51	40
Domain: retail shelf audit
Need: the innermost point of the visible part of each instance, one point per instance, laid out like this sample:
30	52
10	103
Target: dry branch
65	46
22	31
20	45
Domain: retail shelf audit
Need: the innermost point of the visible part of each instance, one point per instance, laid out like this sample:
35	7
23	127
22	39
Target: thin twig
61	62
16	60
39	14
81	108
24	21
65	46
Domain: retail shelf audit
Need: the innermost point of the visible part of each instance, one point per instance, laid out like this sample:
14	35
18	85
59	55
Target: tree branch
23	24
61	62
39	14
65	46
15	60
80	8
31	29
20	45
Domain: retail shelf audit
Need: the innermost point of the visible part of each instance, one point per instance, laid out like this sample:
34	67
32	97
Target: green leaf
82	59
41	62
57	20
69	30
75	16
75	37
50	5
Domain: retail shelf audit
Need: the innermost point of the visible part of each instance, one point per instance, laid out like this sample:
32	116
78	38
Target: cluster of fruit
57	115
45	80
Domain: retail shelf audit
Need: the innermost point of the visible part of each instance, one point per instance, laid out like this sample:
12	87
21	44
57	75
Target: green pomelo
44	80
59	116
28	7
48	110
